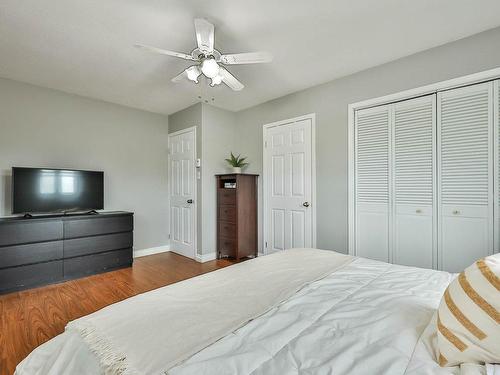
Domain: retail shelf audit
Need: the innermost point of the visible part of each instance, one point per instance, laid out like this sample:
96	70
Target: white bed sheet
367	318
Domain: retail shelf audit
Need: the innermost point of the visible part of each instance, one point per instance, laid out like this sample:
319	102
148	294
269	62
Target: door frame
195	188
265	184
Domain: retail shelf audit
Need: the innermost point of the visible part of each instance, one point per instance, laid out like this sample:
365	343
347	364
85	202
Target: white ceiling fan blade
180	77
191	73
204	35
230	80
180	55
246	58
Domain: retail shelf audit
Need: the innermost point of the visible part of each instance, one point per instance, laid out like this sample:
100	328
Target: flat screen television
43	190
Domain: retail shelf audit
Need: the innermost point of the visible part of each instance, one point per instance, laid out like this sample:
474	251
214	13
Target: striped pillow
469	316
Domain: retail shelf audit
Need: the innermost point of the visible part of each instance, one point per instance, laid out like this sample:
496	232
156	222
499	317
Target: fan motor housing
197	54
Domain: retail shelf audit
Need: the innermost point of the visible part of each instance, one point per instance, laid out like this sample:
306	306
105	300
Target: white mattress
367	318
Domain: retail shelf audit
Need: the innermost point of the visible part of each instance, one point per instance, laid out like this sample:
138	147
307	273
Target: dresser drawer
227	246
227	213
23	232
97	226
33	253
227	196
227	230
30	275
91	264
97	244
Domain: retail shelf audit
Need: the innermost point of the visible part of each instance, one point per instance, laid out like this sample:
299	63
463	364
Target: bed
309	312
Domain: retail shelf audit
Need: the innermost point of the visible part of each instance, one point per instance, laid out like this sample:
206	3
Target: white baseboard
202	258
151	251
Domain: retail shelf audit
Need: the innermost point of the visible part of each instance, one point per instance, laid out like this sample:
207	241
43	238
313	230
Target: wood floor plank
31	317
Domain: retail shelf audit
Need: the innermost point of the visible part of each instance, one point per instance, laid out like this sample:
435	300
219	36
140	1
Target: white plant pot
236	170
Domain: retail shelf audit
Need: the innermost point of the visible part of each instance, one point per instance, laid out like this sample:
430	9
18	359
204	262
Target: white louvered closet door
496	173
414	124
372	175
465	175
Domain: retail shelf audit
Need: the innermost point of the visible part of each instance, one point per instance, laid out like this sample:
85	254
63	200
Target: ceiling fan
209	61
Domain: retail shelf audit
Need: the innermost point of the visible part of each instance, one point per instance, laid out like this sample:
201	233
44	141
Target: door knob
190	201
305	204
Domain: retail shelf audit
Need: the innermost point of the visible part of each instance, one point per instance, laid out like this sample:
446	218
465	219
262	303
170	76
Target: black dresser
49	249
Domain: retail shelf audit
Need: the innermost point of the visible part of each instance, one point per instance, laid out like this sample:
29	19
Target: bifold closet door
465	138
372	175
414	124
496	173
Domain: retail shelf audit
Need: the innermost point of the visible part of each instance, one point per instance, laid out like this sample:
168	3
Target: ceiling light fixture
217	80
193	72
209	67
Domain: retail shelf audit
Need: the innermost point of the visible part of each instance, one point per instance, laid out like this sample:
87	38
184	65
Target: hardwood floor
31	317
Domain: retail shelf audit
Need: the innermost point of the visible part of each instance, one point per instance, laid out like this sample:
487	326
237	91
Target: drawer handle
456	212
418	211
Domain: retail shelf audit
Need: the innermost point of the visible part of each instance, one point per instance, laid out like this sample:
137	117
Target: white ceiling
85	46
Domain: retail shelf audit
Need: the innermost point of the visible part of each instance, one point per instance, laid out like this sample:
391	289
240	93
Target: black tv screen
42	190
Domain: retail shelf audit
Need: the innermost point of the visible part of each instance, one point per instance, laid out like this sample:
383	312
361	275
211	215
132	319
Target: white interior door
182	152
288	185
466	175
414	124
372	174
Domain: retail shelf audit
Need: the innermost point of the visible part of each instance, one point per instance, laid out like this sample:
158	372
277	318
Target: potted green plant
237	162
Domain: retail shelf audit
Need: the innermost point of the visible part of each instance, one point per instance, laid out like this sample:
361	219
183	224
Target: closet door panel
496	168
373	232
372	143
414	235
465	175
465	240
413	181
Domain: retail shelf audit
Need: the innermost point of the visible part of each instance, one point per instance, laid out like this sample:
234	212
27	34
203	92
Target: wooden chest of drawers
236	216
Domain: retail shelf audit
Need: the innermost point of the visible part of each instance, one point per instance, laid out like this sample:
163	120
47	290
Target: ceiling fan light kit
217	80
193	72
210	61
209	67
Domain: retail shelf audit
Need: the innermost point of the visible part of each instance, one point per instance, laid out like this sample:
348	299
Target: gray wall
215	137
218	141
329	101
186	118
43	127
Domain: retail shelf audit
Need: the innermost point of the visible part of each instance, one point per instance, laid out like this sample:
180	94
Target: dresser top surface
234	175
59	217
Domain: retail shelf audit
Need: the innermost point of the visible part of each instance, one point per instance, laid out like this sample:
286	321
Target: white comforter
366	318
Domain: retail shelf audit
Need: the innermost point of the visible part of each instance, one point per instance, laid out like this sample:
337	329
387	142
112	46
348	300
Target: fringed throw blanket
152	332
